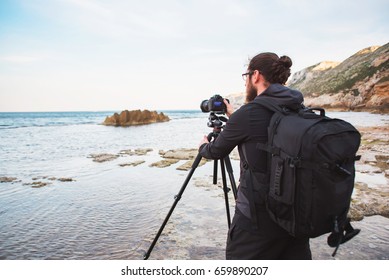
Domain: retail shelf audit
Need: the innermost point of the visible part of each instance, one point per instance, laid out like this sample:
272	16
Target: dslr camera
214	104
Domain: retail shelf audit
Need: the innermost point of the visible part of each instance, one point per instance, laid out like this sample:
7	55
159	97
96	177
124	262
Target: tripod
225	163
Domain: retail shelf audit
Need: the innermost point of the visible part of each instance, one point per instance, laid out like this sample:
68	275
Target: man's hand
230	108
204	141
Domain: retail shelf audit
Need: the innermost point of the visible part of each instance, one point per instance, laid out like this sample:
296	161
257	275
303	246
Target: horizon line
91	111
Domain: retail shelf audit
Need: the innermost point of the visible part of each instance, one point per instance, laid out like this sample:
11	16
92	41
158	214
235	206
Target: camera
214	104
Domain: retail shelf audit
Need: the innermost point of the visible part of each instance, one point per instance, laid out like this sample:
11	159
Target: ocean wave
4	127
43	119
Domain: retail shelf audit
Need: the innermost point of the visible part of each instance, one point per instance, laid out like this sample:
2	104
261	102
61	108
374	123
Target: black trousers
248	245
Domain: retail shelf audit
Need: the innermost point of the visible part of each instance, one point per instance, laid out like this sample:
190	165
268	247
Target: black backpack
311	172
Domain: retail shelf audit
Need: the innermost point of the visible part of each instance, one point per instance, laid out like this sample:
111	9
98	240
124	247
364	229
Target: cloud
118	19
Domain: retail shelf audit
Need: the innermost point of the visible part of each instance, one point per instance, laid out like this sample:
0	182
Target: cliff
359	83
137	117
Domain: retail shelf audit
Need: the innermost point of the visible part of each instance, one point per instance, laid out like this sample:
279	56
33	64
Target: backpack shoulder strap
279	112
305	112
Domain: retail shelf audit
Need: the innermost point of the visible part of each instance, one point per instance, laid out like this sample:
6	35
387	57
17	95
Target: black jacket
245	128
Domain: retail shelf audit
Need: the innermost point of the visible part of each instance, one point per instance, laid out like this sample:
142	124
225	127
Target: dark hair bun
285	61
281	70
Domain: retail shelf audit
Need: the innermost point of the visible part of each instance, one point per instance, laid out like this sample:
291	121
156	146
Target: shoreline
115	166
371	192
370	195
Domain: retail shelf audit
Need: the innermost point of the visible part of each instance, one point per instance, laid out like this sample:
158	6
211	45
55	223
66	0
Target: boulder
136	117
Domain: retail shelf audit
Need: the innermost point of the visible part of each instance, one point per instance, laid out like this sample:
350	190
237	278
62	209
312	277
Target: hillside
359	83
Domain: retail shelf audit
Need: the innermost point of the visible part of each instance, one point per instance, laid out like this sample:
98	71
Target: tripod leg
215	172
231	175
176	199
226	190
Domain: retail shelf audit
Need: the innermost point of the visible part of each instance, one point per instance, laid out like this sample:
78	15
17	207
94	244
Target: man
253	235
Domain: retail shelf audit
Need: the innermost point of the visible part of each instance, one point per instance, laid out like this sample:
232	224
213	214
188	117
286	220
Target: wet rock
37	184
207	182
164	163
7	179
135	163
136	152
367	168
103	157
136	117
368	202
374	150
188	165
46	180
180	154
52	178
66	179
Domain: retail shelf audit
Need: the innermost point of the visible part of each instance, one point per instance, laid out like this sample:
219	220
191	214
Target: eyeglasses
244	75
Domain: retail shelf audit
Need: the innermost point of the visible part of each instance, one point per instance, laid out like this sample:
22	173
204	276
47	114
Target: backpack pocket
280	199
282	179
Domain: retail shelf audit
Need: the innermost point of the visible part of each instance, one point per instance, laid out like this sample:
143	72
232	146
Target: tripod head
217	122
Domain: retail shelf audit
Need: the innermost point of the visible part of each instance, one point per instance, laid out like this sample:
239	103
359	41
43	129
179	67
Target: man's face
251	91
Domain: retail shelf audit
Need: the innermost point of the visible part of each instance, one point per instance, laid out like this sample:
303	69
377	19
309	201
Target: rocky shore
36	182
370	197
371	193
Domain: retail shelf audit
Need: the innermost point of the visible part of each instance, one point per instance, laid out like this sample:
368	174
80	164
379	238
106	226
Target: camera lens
204	106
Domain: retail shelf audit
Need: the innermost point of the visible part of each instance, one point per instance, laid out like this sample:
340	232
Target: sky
96	55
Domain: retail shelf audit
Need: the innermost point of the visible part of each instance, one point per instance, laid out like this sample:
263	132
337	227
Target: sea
57	203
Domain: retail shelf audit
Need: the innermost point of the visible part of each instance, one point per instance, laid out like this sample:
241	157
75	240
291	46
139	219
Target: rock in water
136	117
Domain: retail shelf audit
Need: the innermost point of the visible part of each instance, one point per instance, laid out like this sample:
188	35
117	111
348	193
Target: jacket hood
282	95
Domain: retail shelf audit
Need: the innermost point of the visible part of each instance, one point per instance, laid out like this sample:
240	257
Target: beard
251	92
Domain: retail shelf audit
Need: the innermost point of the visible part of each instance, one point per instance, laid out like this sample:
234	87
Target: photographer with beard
253	235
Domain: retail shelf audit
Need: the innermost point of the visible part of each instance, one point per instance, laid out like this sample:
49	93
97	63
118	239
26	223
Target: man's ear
257	77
